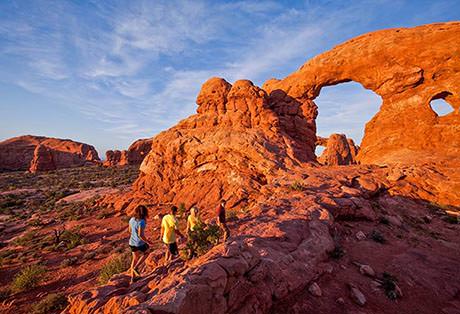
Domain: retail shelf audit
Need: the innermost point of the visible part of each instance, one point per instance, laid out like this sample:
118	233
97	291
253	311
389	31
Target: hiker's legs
226	232
167	254
141	260
134	259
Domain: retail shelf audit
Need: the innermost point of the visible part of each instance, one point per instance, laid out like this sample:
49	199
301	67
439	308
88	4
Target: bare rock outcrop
339	150
227	150
135	154
39	153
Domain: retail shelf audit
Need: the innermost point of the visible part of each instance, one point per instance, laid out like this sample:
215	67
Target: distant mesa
39	153
133	156
339	150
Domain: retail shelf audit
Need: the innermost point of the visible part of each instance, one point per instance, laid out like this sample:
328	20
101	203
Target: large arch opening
345	108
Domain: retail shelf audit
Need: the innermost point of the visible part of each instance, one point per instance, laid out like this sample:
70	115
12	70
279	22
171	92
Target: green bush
378	237
52	303
202	239
114	266
231	214
72	239
389	286
297	186
337	253
181	210
69	261
25	239
28	278
451	219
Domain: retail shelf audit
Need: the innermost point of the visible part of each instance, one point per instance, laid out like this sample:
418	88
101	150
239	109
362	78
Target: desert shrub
231	214
52	303
69	261
28	278
104	214
4	294
25	239
202	239
378	237
337	253
72	239
451	219
389	286
114	266
35	223
181	210
89	255
297	186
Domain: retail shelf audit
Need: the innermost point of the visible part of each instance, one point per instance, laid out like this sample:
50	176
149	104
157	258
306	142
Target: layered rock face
38	153
407	67
133	156
227	150
340	150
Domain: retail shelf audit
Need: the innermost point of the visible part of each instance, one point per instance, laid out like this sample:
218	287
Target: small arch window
440	106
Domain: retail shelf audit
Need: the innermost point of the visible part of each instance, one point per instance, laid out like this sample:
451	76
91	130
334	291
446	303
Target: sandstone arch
422	62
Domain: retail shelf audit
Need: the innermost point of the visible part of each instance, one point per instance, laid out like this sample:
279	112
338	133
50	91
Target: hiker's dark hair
141	212
173	209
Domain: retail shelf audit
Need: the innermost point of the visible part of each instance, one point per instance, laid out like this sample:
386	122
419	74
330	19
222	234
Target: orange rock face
407	67
38	153
339	150
242	134
227	150
133	156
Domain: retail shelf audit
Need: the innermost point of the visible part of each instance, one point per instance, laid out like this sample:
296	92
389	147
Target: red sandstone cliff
39	153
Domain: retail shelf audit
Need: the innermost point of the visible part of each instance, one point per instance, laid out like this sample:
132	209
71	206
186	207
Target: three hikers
168	235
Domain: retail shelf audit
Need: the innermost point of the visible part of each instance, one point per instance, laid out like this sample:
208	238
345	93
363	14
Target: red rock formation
227	150
38	153
254	149
133	156
115	158
407	67
339	150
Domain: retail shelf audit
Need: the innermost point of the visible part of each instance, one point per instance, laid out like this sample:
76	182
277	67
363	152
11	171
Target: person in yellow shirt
192	220
169	228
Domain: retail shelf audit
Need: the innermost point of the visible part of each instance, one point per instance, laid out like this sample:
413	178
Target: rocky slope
307	237
39	153
133	156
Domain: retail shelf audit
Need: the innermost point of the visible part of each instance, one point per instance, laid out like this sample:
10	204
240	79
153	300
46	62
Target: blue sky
110	72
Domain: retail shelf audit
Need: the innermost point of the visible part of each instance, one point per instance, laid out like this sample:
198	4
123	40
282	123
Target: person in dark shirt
222	221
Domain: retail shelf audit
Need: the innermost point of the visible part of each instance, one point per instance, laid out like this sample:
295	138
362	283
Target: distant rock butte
133	156
339	150
249	145
39	153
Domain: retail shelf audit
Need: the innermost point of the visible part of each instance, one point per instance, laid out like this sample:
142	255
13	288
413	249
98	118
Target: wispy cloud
135	67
